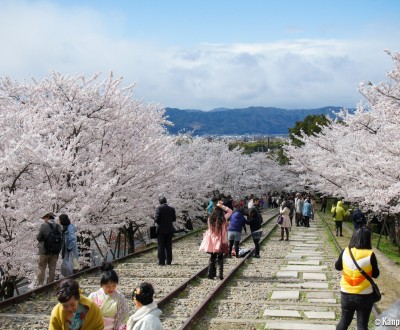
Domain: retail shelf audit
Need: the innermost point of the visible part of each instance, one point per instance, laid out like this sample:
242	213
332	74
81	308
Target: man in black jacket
165	216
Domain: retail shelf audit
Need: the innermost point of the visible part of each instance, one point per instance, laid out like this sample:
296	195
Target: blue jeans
360	303
234	235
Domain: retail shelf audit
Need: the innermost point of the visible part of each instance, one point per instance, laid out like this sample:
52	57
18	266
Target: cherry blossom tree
88	148
357	157
80	147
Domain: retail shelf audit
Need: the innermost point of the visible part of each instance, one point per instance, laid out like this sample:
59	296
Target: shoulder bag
376	293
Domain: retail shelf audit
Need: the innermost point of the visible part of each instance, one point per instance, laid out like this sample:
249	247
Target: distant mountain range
252	120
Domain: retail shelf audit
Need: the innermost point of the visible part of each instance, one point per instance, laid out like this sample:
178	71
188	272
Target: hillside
253	120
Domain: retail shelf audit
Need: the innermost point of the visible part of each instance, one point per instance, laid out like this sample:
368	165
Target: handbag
153	232
280	219
375	290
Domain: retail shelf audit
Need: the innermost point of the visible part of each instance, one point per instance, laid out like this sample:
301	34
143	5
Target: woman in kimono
112	303
74	311
215	239
147	315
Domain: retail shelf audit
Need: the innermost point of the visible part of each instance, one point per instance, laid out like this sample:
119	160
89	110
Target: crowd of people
228	217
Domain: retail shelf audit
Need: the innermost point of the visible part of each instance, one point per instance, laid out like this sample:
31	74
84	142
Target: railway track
185	277
292	286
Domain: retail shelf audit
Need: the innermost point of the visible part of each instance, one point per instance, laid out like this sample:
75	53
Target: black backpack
53	242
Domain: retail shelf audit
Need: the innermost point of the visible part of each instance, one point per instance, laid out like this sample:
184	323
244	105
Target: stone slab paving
307	252
285	295
309	258
322	301
302	268
281	313
304	285
321	315
305	262
298	326
314	276
288	274
319	294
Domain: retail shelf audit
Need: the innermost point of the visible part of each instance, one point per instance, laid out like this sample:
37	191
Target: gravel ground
249	294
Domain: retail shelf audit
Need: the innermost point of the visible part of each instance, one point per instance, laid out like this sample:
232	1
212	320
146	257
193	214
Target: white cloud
289	74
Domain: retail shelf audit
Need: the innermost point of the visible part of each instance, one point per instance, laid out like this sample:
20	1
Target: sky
206	54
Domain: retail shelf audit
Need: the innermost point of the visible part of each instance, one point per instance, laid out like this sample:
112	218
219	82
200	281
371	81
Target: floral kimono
114	308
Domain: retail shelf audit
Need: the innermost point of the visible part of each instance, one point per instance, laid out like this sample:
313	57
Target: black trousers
338	225
164	248
306	221
299	219
256	246
351	303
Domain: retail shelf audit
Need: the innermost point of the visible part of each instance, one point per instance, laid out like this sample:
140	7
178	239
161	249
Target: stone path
307	292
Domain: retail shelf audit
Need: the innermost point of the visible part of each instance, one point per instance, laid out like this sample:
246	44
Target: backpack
53	242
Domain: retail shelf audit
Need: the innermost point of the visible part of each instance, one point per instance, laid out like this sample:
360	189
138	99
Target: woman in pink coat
285	225
215	239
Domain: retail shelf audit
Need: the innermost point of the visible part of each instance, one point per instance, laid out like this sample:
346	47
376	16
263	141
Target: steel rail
199	312
162	302
53	285
31	295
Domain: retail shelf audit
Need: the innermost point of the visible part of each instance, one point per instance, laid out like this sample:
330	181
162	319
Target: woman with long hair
215	239
112	303
356	290
286	224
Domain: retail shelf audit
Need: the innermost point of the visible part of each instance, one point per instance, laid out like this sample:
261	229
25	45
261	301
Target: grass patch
331	227
389	250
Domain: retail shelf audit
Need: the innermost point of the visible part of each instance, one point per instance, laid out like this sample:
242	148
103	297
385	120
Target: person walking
74	311
359	218
255	220
112	303
292	209
356	290
324	202
313	207
147	315
70	246
165	216
215	239
286	224
50	243
236	224
339	214
307	211
298	204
